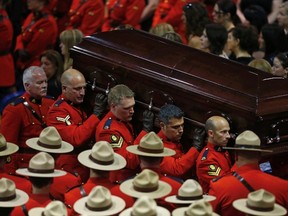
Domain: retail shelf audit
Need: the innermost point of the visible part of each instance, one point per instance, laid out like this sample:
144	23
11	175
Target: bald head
70	75
217	129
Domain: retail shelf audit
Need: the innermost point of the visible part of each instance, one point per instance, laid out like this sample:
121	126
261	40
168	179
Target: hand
100	105
199	136
148	120
23	54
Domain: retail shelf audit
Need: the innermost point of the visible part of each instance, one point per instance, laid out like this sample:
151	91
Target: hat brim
163	190
174	199
65	146
159	210
240	205
36	211
118	163
21	199
166	152
118	204
181	212
247	149
11	149
26	172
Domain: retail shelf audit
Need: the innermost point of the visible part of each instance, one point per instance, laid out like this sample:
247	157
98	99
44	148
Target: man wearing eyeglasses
71	120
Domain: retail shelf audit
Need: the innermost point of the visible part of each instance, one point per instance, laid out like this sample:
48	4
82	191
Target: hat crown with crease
7	188
102	151
261	198
199	208
99	197
248	138
42	161
151	142
7	148
55	208
50	136
3	143
146	179
190	188
144	206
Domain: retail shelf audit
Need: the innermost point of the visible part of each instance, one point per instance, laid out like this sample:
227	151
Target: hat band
189	197
98	208
13	196
100	162
3	148
247	146
262	209
141	189
40	171
48	145
153	214
140	148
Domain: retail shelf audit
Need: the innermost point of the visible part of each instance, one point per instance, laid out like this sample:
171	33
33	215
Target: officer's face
37	88
75	91
220	136
124	110
174	129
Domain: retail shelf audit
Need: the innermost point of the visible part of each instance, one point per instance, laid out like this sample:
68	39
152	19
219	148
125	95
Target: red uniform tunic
19	124
86	15
211	163
7	72
39	33
229	188
76	128
121	12
120	134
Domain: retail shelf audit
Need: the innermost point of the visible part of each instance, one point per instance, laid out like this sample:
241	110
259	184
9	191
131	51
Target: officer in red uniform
116	129
72	122
26	116
86	15
246	177
39	33
213	161
7	72
123	12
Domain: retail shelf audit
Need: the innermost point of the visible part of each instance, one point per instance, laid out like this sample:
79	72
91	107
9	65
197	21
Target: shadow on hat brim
118	204
166	152
160	211
241	205
163	190
11	149
65	146
247	149
26	172
181	212
21	199
174	199
118	163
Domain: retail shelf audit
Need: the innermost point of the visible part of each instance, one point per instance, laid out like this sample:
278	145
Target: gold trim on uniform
65	120
213	170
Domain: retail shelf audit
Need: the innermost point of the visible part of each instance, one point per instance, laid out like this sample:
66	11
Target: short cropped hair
118	93
169	111
28	73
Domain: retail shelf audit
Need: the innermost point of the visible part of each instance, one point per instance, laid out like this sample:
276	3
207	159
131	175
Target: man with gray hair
25	117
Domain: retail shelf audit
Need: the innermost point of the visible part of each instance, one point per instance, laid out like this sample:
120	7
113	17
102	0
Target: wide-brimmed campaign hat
10	196
50	141
248	141
151	146
198	208
145	206
102	157
54	208
99	202
189	192
7	148
260	202
146	183
41	165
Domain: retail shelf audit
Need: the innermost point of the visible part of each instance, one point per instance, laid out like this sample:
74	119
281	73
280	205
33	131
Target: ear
161	125
210	133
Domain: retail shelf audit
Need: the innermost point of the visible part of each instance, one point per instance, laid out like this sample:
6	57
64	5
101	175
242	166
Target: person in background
39	33
26	116
280	65
161	29
282	17
261	64
68	39
148	14
173	36
52	64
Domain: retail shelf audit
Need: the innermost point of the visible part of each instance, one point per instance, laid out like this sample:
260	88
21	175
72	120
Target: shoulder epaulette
18	101
204	156
107	124
57	103
50	97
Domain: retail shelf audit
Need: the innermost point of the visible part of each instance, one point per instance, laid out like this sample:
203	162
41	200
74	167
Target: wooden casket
160	71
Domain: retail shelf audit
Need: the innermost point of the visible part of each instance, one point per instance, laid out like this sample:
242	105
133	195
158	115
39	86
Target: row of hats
101	202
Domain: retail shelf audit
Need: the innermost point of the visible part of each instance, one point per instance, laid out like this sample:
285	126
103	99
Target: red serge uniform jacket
86	15
120	134
211	163
121	12
39	33
19	124
229	188
7	72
